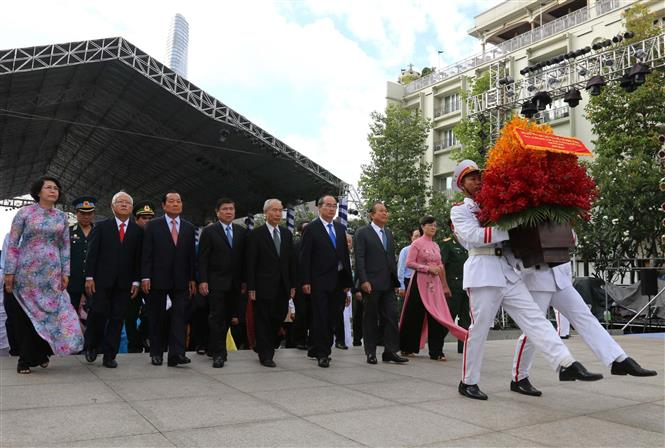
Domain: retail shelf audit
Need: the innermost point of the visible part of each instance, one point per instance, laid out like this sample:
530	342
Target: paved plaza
73	403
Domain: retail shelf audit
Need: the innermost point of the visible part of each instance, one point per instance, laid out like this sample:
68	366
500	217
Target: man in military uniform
454	256
78	240
137	336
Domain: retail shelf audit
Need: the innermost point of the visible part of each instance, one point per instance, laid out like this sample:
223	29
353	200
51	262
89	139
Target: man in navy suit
271	266
167	268
222	275
111	278
325	272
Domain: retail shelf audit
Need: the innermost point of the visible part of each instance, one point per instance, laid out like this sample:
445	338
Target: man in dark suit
167	268
222	275
325	268
271	277
376	268
112	275
302	324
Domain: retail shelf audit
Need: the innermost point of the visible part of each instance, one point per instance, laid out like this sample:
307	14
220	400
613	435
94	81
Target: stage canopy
102	116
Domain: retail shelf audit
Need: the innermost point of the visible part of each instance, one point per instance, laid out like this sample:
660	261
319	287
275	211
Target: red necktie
122	231
174	232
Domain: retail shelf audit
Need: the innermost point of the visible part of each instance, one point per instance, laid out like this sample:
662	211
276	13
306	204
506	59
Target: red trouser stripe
467	338
519	359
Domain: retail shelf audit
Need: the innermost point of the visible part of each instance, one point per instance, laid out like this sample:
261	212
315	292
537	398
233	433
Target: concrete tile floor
73	403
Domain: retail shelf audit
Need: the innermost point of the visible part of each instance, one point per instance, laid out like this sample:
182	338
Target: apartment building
521	33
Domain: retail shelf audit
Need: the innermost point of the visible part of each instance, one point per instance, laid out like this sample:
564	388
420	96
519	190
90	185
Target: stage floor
73	403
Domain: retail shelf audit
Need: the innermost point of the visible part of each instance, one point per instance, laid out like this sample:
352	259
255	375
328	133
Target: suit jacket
375	264
166	265
269	274
320	260
220	265
112	263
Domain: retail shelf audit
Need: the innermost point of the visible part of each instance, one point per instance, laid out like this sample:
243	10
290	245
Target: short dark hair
37	185
420	231
168	193
222	201
301	225
319	202
428	219
372	208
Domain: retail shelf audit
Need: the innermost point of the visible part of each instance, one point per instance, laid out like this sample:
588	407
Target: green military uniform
78	244
137	335
454	256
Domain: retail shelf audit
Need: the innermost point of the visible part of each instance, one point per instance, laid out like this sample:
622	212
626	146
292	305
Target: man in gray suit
376	268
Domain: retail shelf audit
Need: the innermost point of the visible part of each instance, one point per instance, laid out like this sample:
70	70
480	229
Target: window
448	139
451	103
443	182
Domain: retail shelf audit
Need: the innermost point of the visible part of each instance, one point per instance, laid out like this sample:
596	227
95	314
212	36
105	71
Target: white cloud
261	45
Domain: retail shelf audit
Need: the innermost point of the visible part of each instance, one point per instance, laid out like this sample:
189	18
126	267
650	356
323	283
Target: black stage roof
102	115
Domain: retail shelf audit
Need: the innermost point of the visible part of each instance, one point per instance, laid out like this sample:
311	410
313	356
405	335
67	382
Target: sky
309	72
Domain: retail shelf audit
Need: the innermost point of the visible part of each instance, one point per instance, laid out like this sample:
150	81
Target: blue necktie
229	236
384	240
332	236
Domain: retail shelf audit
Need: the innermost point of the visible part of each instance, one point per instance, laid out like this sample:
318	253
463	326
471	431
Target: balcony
443	144
504	48
549	115
446	110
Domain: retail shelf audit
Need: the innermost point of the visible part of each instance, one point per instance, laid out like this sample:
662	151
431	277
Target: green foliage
624	220
426	71
439	206
533	216
473	133
396	173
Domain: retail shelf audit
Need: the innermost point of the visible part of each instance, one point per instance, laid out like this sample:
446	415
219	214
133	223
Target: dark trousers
339	328
175	318
137	334
219	320
10	311
199	315
32	349
326	306
268	319
357	320
459	308
412	324
108	311
380	303
75	298
301	327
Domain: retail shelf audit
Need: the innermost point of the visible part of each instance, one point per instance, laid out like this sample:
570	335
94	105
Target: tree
397	173
624	221
473	133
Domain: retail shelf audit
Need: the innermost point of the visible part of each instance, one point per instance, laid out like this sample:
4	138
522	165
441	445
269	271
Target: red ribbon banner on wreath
541	141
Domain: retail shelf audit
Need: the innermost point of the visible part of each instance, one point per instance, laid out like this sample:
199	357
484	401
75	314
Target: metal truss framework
501	99
117	48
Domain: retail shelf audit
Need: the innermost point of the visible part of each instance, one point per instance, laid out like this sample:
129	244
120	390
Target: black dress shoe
524	387
110	363
156	360
630	367
177	360
371	359
342	346
218	362
577	371
471	391
90	355
394	357
324	362
268	363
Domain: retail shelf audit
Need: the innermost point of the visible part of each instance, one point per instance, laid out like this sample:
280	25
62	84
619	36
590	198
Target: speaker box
649	282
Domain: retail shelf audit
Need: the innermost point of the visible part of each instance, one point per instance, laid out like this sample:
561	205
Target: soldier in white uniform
562	324
491	282
553	286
